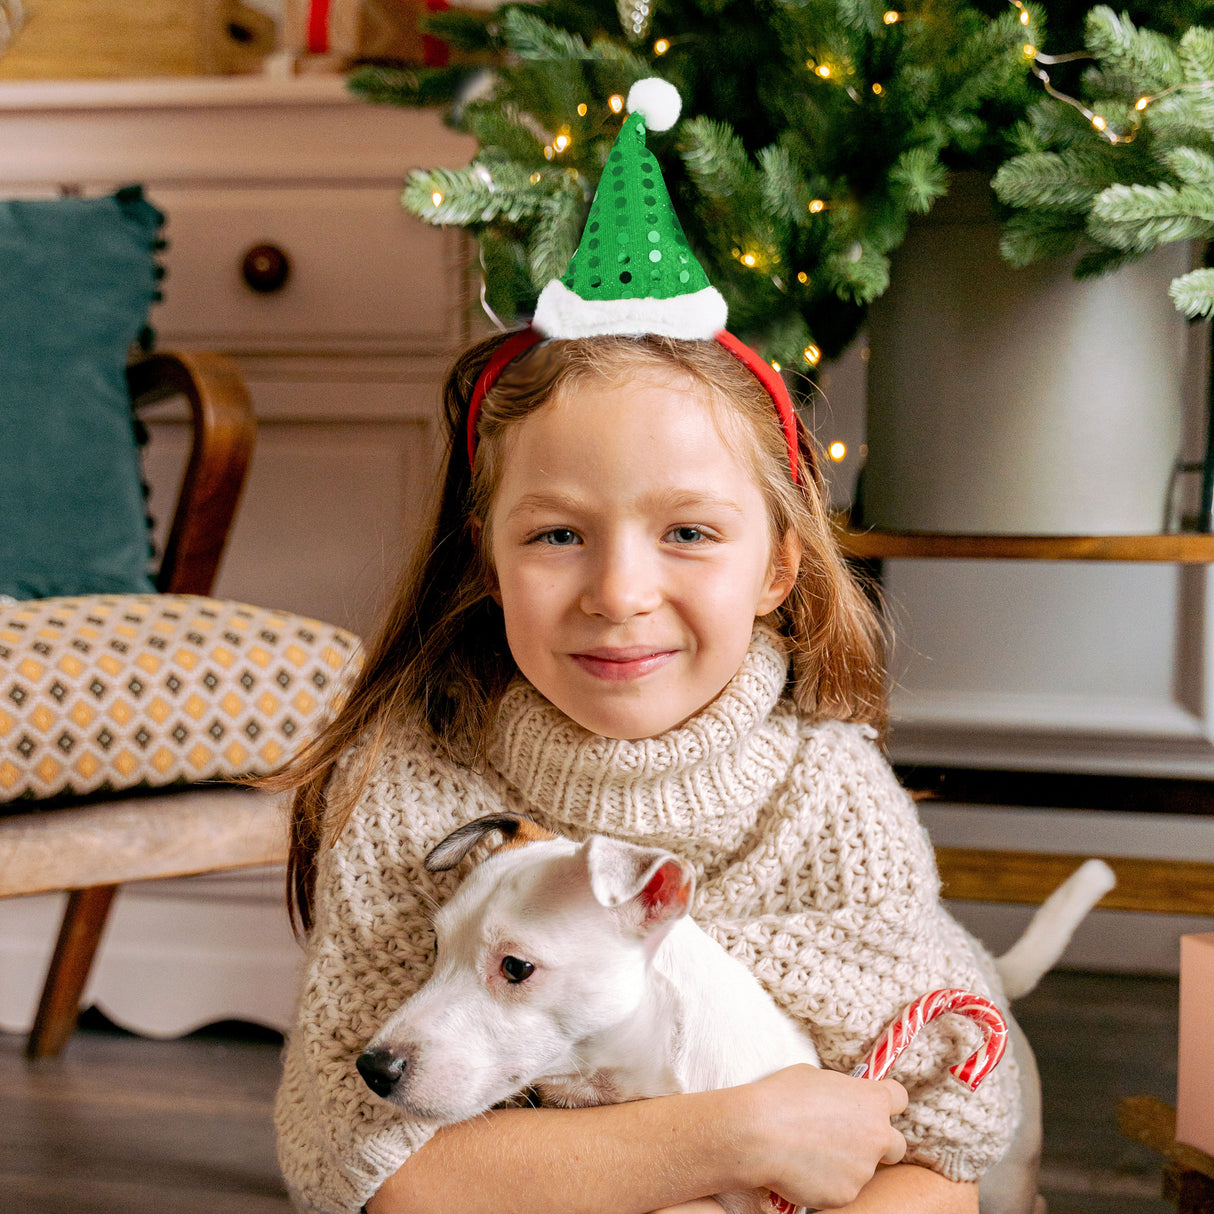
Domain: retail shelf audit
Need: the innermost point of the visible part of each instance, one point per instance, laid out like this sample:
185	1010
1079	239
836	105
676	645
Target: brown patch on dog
526	832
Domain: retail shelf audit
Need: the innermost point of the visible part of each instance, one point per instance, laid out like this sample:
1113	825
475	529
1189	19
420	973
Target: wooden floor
121	1125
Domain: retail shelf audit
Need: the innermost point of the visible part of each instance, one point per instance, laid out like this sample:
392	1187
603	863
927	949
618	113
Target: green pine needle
1193	293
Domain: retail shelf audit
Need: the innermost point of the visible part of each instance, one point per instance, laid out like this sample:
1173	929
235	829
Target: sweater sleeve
370	948
847	929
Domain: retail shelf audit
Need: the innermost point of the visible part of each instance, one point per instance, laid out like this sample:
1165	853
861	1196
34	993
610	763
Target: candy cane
898	1036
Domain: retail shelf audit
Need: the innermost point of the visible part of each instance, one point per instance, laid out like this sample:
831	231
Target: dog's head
544	946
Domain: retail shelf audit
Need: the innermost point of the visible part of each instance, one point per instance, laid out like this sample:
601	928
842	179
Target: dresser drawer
361	273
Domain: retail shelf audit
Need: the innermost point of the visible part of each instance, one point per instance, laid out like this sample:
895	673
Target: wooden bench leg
79	934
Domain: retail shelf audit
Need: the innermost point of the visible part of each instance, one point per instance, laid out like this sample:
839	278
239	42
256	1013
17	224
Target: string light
560	143
1039	62
581	109
615	102
812	355
837	451
823	70
892	18
749	259
802	277
817	206
880	92
661	46
534	178
436	198
775	366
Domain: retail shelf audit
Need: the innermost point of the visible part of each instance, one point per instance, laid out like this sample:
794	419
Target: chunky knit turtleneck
708	778
813	869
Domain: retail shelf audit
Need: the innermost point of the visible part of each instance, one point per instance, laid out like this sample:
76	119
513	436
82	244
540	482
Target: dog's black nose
381	1069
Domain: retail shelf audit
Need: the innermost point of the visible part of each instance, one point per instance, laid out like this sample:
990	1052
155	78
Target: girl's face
631	552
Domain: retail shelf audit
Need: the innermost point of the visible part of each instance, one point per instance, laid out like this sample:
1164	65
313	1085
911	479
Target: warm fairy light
534	178
837	451
823	70
548	152
1098	122
816	206
1030	51
436	198
775	366
749	259
661	46
560	143
1025	16
1142	103
581	109
813	355
802	277
892	18
878	90
616	103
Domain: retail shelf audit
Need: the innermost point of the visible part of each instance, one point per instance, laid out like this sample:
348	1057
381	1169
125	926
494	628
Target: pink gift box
1195	1085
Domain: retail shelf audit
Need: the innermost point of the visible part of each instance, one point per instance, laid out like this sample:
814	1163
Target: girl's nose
623	583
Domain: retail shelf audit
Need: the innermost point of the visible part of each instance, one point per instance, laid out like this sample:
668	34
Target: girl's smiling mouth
621	665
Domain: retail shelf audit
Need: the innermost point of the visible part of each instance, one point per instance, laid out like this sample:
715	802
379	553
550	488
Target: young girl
631	618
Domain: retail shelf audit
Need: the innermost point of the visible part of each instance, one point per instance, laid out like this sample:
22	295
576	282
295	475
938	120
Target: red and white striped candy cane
898	1036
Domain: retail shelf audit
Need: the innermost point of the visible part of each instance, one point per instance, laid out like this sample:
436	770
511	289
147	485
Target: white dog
574	969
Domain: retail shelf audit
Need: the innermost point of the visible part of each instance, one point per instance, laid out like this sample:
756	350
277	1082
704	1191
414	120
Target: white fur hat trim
695	317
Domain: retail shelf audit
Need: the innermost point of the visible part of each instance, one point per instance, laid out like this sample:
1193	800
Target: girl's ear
491	585
785	565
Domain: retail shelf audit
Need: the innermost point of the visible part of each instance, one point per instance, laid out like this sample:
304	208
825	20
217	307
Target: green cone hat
633	271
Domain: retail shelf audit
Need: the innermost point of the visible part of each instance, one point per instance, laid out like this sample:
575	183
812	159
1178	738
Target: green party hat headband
634	272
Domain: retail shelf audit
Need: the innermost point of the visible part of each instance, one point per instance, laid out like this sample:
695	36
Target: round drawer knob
265	268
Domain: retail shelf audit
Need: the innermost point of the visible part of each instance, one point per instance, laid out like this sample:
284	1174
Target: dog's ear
656	884
515	831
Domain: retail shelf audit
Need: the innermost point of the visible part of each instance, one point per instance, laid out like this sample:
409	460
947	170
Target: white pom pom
657	101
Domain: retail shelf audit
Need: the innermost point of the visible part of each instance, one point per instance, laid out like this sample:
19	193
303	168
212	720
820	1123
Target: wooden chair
91	846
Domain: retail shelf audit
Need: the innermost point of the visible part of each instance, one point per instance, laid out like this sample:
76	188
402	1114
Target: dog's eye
515	969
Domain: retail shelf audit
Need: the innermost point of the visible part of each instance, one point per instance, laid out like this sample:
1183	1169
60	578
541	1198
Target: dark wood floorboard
121	1125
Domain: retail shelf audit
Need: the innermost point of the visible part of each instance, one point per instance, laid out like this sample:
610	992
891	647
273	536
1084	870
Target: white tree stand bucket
1010	401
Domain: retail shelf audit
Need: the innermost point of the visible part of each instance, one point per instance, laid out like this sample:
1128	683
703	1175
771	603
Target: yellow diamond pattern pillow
117	691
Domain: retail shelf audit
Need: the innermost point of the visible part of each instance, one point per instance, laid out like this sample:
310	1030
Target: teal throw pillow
77	278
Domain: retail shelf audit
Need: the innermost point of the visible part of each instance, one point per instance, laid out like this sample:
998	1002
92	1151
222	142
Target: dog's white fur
628	998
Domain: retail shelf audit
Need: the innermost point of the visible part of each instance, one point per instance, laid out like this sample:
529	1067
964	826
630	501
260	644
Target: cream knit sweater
813	869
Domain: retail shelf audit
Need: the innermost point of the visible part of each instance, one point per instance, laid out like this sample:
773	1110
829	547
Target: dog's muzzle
381	1070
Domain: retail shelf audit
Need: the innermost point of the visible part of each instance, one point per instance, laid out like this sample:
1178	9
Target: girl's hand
820	1135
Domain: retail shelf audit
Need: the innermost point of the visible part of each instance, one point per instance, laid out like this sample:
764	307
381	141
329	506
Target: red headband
763	371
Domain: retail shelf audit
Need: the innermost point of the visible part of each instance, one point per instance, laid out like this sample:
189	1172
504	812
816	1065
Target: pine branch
555	236
1142	55
1137	218
1193	293
1059	181
921	178
473	195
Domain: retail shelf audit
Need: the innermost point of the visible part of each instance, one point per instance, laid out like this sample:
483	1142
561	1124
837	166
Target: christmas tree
811	131
1125	166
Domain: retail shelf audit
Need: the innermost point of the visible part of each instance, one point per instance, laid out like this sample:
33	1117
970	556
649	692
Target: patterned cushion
117	691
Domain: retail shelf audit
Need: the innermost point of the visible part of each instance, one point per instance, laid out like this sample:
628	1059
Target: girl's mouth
621	665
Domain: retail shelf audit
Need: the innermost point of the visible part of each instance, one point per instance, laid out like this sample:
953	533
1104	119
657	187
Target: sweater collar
708	778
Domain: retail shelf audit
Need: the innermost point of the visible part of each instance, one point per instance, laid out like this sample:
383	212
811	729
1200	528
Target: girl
631	618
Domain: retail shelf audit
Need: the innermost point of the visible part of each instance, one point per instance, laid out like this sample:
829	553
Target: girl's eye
559	537
687	535
515	969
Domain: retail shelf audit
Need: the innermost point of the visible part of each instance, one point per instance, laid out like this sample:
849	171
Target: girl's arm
814	1136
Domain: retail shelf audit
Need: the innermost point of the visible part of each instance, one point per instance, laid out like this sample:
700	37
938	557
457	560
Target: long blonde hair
439	663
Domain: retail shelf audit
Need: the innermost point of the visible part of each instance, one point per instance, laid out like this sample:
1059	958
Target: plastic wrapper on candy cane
898	1036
